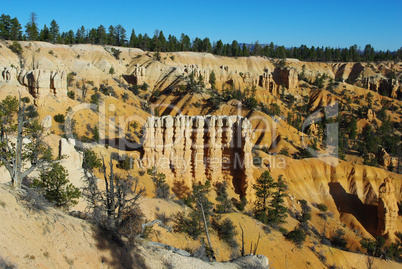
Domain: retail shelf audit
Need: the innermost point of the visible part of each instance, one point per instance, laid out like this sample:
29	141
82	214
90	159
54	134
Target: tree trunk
16	179
206	228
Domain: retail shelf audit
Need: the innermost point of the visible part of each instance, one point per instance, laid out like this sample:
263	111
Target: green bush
297	235
338	240
111	70
71	95
226	231
322	207
53	182
60	118
16	48
188	224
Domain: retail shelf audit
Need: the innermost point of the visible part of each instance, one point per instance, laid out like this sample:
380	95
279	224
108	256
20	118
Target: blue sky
289	23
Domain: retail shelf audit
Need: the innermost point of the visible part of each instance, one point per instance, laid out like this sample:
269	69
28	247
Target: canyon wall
198	148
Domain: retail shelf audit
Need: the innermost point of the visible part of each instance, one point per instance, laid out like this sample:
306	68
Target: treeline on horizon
11	29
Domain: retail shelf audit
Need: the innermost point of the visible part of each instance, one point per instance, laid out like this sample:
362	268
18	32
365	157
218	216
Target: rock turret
200	148
289	78
387	209
139	74
9	74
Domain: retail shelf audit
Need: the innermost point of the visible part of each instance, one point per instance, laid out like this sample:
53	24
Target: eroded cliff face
39	82
199	148
387	209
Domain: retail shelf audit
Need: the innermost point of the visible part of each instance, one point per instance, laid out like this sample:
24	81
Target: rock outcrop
266	81
67	149
41	83
370	115
389	87
387	160
139	74
46	122
197	72
313	129
200	148
387	209
272	81
9	74
289	78
371	83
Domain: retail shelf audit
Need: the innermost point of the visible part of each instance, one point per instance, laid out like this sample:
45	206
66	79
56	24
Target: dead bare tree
115	208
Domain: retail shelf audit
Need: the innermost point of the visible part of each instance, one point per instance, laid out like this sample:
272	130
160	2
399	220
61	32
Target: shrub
297	235
134	89
60	118
187	224
54	183
71	94
323	216
144	87
306	215
116	53
338	240
111	70
26	100
322	207
16	48
226	231
95	98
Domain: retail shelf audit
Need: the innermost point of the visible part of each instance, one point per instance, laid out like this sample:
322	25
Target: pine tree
162	189
5	27
56	187
31	28
225	205
263	190
133	40
277	212
54	31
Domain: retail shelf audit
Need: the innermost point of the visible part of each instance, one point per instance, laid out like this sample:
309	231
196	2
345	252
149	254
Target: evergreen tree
277	212
56	187
133	40
206	45
225	205
101	35
15	31
161	41
31	28
120	35
111	36
80	36
218	48
93	36
263	190
185	42
44	34
235	48
212	79
162	189
54	31
245	51
5	27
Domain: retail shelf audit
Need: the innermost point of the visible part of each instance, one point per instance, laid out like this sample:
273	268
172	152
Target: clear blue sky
289	23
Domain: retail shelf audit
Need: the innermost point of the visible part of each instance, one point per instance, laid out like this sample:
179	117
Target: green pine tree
56	187
277	212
